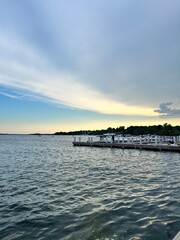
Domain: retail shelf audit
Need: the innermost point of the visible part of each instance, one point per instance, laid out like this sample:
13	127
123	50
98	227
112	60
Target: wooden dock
150	147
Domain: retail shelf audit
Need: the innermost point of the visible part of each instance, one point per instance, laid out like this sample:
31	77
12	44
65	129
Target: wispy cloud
23	95
65	90
9	95
167	110
109	57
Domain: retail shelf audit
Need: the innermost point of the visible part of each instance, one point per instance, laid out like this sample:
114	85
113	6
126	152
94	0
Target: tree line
162	130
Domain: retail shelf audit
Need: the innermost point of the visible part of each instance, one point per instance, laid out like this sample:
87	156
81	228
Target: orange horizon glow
91	125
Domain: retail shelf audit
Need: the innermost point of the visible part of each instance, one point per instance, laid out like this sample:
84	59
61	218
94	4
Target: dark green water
52	190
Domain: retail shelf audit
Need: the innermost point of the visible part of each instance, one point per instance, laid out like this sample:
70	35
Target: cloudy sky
67	65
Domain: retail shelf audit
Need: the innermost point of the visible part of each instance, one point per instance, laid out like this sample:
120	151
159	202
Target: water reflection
52	190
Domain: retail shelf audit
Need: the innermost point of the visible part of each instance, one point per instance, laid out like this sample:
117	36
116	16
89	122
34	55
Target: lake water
52	190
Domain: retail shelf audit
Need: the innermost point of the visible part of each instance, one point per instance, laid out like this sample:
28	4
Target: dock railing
135	142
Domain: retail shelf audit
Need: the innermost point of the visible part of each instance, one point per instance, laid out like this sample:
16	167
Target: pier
157	143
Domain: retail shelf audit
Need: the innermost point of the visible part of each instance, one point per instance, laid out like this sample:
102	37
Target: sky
70	65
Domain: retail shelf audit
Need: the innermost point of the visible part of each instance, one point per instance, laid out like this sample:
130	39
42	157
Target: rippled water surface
52	190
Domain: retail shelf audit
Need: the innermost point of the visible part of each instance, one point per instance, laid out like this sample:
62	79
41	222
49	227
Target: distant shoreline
162	130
